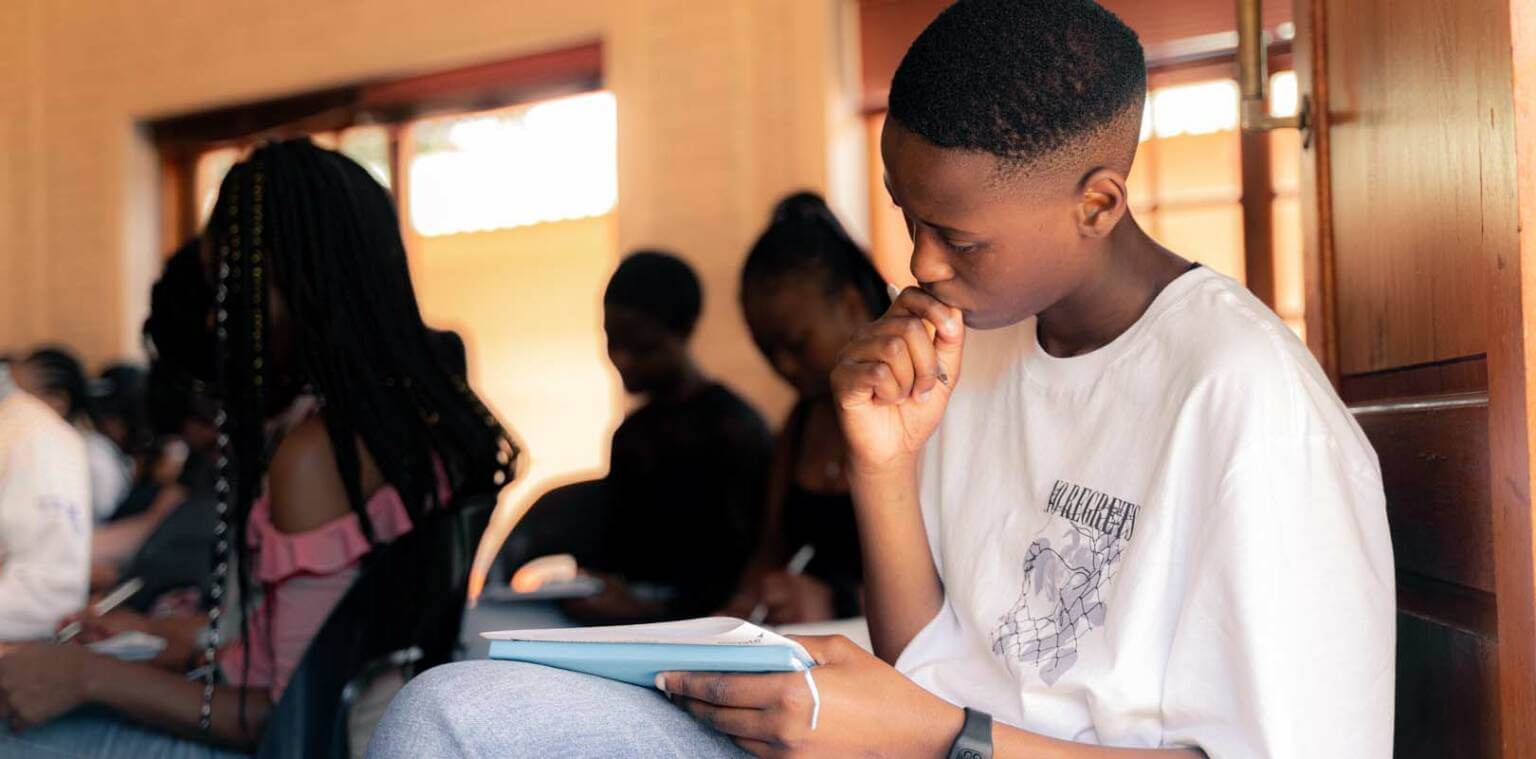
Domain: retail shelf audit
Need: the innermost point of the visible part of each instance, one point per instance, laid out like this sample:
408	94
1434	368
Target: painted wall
724	105
528	302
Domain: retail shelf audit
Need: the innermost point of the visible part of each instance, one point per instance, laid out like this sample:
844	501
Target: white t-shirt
45	517
1177	539
111	474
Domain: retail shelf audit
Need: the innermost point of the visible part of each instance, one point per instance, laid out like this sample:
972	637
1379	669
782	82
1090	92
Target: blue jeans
510	709
96	733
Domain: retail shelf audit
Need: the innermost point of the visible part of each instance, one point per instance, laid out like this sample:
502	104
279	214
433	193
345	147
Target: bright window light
1282	94
1201	108
211	168
369	146
548	161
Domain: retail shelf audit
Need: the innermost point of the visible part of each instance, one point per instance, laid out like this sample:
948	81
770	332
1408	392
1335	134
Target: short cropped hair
1024	80
660	285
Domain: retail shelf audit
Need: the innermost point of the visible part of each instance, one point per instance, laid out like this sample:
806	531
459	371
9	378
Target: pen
108	602
797	564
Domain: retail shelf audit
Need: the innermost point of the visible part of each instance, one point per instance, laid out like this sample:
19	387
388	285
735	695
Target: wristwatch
975	738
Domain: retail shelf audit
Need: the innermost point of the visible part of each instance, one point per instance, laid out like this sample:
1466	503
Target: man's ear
1101	203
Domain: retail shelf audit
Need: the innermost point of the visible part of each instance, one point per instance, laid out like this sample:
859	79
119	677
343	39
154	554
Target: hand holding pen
795	567
107	603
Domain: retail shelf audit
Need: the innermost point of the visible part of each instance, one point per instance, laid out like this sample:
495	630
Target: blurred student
317	302
55	375
45	521
119	396
167	540
685	473
805	289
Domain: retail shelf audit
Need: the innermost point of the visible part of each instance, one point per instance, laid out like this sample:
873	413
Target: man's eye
959	247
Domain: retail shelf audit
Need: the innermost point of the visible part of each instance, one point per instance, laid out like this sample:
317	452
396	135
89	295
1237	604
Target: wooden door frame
1511	395
1310	61
1510	359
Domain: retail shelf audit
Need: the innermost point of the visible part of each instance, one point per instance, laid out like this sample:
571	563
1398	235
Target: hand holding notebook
636	653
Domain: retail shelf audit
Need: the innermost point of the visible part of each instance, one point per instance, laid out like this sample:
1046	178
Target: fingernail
923	396
661	682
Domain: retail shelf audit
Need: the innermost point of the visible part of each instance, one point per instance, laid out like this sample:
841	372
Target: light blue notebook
636	653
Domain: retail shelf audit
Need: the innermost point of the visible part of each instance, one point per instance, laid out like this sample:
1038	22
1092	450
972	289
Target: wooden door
1417	266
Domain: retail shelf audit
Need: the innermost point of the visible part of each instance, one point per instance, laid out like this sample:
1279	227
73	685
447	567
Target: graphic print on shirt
64	510
1067	569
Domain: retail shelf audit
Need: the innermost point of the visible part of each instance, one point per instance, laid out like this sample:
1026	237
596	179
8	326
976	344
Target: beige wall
723	106
528	303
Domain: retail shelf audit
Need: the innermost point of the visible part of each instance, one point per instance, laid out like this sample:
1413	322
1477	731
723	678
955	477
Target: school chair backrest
405	609
568	519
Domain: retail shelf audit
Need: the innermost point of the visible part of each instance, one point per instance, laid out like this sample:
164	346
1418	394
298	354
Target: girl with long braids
805	288
311	298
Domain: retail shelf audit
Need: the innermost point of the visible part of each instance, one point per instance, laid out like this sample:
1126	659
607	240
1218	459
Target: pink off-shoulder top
303	576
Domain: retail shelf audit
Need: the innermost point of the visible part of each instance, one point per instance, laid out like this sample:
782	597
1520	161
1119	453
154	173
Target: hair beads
229	262
314	228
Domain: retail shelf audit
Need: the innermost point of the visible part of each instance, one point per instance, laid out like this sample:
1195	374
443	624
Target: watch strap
975	738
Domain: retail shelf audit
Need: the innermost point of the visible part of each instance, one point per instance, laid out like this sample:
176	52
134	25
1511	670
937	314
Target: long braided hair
311	230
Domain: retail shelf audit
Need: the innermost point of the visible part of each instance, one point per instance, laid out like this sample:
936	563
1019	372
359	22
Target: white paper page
130	646
855	629
705	631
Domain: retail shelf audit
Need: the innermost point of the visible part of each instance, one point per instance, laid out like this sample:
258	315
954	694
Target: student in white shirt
1103	495
55	375
45	519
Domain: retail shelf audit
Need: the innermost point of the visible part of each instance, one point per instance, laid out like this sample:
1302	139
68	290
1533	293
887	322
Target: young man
1104	495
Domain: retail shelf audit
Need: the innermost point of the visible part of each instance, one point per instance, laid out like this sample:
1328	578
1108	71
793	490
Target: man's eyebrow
944	229
925	222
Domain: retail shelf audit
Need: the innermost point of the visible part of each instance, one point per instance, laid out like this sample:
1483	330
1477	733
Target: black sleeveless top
825	521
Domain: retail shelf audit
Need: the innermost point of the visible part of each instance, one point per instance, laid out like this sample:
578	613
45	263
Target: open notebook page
705	631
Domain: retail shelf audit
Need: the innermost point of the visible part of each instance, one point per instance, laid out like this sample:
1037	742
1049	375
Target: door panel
1415	256
1434	465
1446	704
1422	114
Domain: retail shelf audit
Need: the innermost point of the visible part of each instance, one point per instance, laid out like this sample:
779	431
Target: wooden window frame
1256	190
392	103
